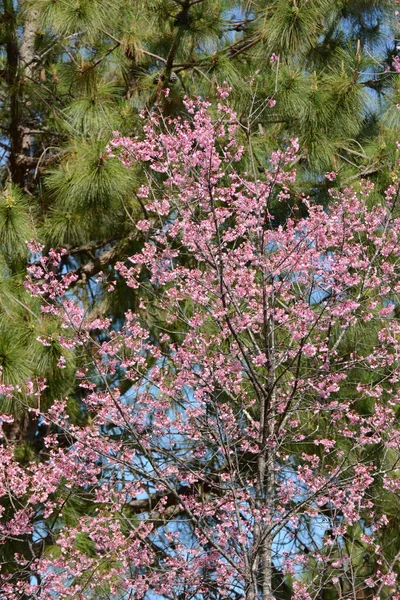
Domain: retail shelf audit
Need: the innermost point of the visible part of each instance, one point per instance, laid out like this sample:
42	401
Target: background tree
72	72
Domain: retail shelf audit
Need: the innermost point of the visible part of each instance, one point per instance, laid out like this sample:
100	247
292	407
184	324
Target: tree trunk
262	559
19	69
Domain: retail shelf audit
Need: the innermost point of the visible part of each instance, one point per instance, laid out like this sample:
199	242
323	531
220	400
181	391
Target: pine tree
73	71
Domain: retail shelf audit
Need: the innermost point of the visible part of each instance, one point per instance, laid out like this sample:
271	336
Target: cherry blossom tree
241	435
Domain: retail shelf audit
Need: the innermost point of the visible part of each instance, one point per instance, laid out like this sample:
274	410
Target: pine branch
89	247
106	258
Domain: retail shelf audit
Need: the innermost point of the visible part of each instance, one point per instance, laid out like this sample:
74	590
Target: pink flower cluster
241	429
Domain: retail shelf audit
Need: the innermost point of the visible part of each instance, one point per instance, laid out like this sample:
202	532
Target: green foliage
84	544
89	192
15	362
66	16
15	226
59	381
293	28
